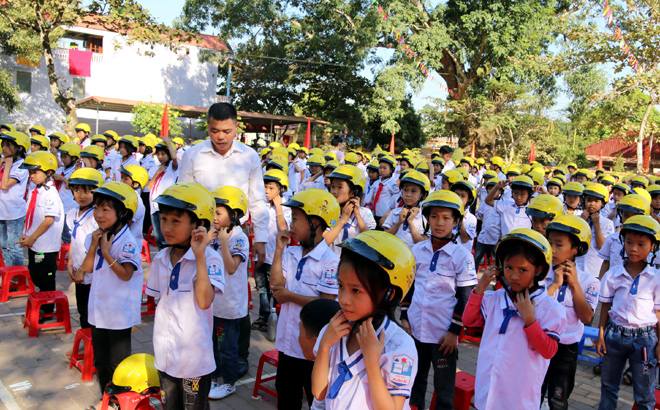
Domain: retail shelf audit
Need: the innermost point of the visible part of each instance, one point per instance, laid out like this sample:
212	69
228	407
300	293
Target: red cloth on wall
80	63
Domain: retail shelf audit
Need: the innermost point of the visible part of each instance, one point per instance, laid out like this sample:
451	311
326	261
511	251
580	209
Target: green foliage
410	134
147	116
619	164
8	93
457	155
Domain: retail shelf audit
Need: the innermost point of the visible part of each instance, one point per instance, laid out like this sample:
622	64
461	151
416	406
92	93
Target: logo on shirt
239	245
401	371
591	294
128	251
330	278
215	273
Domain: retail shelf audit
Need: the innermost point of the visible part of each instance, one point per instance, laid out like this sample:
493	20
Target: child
92	157
582	176
522	324
371	184
512	210
69	155
449	178
13	180
490	227
315	163
577	291
186	277
300	274
128	145
148	162
554	187
231	243
496	164
573	198
467	230
329	168
630	298
445	277
387	189
179	145
294	169
113	158
56	141
654	191
39	143
113	259
100	141
595	196
438	164
137	178
276	183
347	185
446	152
82	134
80	220
482	192
364	360
542	210
44	222
37	130
314	316
165	177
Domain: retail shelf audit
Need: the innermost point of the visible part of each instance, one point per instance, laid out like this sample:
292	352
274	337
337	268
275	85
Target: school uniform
12	213
369	191
179	153
351	228
489	234
293	182
449	166
362	168
131	160
112	162
403	232
437	182
607	209
511	215
385	191
348	385
149	163
473	179
613	251
137	221
470	224
591	262
317	183
163	181
66	195
80	226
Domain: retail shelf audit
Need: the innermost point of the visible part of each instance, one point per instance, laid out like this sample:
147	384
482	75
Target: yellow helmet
278	163
70	148
562	178
7	127
607	180
622	186
388	252
417	178
639	180
537	178
122	192
530	237
264	152
60	136
584	173
83	127
86	176
452	176
99	138
304	149
18	138
316	151
387	158
42	160
351	158
178	140
93	151
316	160
642	224
233	198
275	144
635	204
423	166
373	165
41	141
481	161
465	185
295	146
522	181
492	181
573	225
596	190
330	156
497	161
280	151
278	176
600	171
334	164
489	174
464	172
525	169
438	160
137	174
653	190
643	192
545	206
444	199
556	182
316	202
190	197
135	373
38	129
192	144
468	161
148	141
561	170
571	165
573	188
350	173
513	169
129	139
111	134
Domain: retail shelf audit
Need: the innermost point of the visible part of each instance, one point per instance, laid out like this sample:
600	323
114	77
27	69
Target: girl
164	177
522	324
630	297
127	146
69	156
13	181
364	359
387	188
407	222
573	198
554	187
92	157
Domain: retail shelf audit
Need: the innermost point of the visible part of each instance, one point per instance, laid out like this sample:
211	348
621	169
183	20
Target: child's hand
405	325
8	162
347	211
559	275
525	307
403	215
595	218
199	241
585	215
212	234
338	327
106	243
277	201
448	343
26	241
571	275
223	235
96	238
601	349
71	272
282	239
486	278
370	344
540	189
281	293
501	184
414	211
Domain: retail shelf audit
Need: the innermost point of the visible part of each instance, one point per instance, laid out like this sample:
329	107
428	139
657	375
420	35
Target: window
81	41
78	88
24	81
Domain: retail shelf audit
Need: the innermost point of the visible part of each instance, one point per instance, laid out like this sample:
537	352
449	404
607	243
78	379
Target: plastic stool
150	303
23	287
271	357
86	365
657	401
473	334
62	256
146	252
589	333
150	236
250	297
2	261
133	401
32	315
464	391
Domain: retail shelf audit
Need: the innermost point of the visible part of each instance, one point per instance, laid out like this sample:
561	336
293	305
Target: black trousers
560	378
146	224
185	394
110	348
82	299
293	375
43	267
444	376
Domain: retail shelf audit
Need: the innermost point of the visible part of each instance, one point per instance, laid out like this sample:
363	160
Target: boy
231	243
300	274
128	145
92	157
438	164
406	222
595	196
573	198
315	163
468	227
654	191
446	152
371	184
387	189
69	156
496	164
137	178
490	227
542	210
113	159
43	223
186	277
39	143
165	176
82	134
512	209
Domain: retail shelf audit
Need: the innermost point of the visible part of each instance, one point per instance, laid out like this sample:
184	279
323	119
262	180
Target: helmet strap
309	244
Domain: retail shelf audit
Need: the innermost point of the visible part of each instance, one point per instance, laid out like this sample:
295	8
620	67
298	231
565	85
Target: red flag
392	144
600	159
647	157
532	157
165	124
473	149
308	134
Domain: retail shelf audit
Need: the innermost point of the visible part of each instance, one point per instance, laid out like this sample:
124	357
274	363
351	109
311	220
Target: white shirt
564	295
317	183
470	223
512	216
138	220
490	225
233	302
438	275
273	229
112	161
508	367
370	191
390	190
80	226
12	200
179	153
115	303
403	232
398	365
66	195
449	166
308	276
351	228
163	181
48	204
634	301
239	167
182	341
591	262
607	210
340	155
129	161
149	163
612	250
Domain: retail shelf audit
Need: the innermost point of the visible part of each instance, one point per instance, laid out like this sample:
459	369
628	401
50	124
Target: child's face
373	174
519	272
465	165
221	219
571	170
142	149
123	150
520	196
299	227
307	342
441	221
539	224
444	184
437	168
100	144
464	195
38	177
554	190
66	159
581	179
446	156
592	204
176	229
83	195
55	143
353	298
125	179
80	134
106	215
617	194
562	249
411	194
314	169
384	170
272	190
655	202
609	187
638	246
162	156
572	201
341	190
404	165
35	147
8	149
510	177
625	215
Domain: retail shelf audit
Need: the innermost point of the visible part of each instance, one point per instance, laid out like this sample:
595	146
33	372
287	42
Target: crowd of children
374	262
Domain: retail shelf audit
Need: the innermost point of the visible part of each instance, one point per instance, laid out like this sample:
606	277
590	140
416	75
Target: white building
117	71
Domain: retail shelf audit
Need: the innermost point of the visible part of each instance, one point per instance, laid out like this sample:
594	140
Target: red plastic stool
271	357
464	391
150	303
32	315
473	334
150	237
24	285
430	408
657	401
133	401
62	256
146	252
250	297
2	261
85	361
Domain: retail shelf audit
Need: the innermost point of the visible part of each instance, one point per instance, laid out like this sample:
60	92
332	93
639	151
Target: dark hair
147	150
123	217
575	242
446	149
222	111
521	248
166	209
19	151
336	140
129	147
87	188
167	151
317	314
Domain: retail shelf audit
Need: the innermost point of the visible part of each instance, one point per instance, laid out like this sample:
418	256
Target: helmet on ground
135	373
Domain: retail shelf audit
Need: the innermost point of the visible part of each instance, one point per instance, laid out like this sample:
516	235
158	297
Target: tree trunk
640	139
65	101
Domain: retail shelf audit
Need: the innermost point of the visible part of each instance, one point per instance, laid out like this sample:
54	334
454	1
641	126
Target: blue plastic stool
589	333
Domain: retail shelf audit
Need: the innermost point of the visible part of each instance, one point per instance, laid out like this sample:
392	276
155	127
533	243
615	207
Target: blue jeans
158	234
262	281
623	346
225	349
10	233
481	250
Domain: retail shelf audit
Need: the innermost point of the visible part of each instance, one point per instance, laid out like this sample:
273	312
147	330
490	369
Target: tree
147	117
8	93
31	28
410	134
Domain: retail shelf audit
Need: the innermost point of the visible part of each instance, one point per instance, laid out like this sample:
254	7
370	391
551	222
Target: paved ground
35	375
